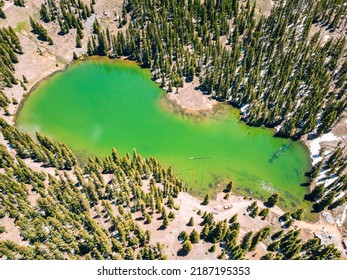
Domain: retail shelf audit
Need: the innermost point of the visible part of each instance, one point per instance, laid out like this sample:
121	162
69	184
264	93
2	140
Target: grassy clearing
23	25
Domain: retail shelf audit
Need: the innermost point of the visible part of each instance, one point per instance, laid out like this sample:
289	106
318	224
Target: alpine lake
99	103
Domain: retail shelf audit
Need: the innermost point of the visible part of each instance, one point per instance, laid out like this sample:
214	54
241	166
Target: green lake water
99	104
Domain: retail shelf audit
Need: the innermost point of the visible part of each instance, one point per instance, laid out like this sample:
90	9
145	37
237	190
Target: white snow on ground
244	108
322	178
326	38
329	181
277	128
340	195
341	220
315	145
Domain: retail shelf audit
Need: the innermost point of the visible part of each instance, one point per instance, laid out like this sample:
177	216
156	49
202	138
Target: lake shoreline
216	109
202	106
176	106
311	225
34	87
220	127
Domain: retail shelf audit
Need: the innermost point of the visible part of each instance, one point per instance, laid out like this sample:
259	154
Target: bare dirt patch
192	99
262	7
12	231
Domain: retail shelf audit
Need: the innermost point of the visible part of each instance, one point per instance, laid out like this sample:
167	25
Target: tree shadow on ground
162	227
182	253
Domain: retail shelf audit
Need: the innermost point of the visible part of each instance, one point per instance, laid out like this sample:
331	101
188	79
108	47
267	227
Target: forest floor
41	60
238	205
189	206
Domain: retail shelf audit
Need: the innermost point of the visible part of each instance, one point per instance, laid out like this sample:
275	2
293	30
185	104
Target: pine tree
2	14
187	247
272	200
206	200
264	213
19	3
78	42
194	236
44	14
317	192
102	44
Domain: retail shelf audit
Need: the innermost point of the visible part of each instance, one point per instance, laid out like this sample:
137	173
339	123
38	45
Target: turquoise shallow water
99	104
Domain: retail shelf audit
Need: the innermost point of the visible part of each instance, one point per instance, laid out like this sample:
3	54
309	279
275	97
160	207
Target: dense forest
272	67
94	212
280	69
332	166
61	225
10	48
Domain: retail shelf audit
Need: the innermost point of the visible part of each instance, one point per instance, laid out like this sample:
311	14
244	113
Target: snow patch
341	220
315	145
326	38
244	108
278	128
